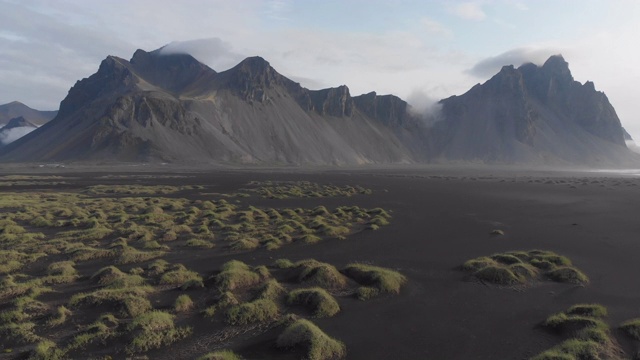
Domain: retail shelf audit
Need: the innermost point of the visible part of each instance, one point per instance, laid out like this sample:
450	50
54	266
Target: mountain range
173	108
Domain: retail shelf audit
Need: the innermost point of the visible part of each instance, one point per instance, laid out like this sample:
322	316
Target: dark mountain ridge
531	114
173	108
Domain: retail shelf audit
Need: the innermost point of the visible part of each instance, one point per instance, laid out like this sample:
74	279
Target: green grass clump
21	332
589	336
318	273
257	311
498	275
318	345
179	275
59	317
61	272
591	310
101	330
220	355
631	328
131	301
153	330
568	275
271	289
236	274
183	303
112	277
199	243
478	263
385	280
283	264
520	267
318	300
46	350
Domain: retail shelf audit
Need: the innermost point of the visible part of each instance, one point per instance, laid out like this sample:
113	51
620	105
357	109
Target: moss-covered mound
631	328
318	345
588	336
521	267
375	280
312	272
318	300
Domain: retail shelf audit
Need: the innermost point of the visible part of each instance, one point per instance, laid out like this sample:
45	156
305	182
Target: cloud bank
490	66
8	136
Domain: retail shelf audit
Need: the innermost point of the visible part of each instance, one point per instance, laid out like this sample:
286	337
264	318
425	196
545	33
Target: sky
421	50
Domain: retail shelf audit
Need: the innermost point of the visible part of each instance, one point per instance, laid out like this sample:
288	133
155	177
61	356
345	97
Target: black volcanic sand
440	220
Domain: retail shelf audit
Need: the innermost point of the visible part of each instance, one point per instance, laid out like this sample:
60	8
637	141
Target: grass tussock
522	267
179	275
257	311
183	303
236	274
631	328
312	272
317	300
589	337
220	355
382	279
153	330
306	335
131	301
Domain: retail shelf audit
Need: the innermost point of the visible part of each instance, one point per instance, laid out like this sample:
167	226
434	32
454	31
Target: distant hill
17	109
172	108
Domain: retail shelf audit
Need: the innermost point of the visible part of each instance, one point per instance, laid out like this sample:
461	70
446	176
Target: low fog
7	136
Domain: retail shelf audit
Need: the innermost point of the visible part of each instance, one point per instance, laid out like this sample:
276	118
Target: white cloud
214	52
8	136
469	11
435	28
491	65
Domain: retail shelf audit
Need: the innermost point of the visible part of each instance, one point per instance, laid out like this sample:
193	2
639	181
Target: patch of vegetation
183	303
130	301
318	300
631	328
257	311
522	267
589	336
306	335
60	238
374	277
153	330
236	274
179	275
220	355
303	189
312	272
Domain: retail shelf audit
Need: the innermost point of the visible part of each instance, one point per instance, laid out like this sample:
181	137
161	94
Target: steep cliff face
531	114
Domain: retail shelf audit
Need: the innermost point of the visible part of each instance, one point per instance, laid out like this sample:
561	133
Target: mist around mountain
172	108
15	129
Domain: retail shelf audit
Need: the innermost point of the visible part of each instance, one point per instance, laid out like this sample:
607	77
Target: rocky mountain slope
531	114
173	108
